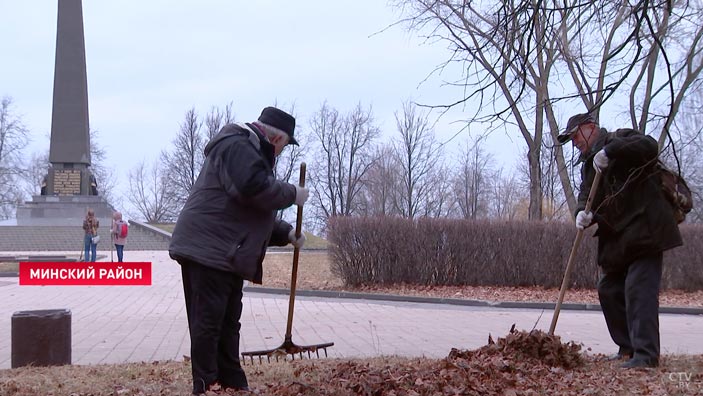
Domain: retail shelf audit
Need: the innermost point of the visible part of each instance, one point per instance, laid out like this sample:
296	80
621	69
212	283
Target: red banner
84	274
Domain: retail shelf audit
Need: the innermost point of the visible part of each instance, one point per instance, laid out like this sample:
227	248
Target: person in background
636	224
90	227
117	223
93	185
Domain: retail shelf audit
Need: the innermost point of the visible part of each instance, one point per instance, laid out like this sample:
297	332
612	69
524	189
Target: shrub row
387	250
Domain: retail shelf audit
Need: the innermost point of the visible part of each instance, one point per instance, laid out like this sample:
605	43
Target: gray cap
573	124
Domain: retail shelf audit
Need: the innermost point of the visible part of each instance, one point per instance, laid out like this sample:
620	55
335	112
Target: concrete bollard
41	338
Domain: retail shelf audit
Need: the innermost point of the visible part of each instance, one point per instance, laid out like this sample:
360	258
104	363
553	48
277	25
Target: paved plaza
145	323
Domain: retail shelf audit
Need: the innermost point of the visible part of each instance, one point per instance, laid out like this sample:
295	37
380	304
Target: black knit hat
279	119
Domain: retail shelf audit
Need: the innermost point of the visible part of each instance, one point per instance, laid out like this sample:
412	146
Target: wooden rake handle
572	256
296	255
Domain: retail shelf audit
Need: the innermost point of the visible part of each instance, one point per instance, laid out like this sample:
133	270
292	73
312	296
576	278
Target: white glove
301	195
600	161
583	219
297	242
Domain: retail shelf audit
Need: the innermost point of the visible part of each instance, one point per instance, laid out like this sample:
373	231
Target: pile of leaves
536	345
520	360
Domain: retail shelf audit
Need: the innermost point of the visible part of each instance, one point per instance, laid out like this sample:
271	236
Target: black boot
637	362
622	354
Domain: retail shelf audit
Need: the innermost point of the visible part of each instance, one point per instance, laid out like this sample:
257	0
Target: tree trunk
535	210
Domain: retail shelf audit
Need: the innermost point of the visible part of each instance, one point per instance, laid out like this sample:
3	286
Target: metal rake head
288	348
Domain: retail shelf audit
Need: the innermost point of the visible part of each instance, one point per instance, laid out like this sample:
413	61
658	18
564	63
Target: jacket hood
247	130
226	131
234	130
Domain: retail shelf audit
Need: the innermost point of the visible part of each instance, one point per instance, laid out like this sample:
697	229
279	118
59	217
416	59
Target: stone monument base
47	210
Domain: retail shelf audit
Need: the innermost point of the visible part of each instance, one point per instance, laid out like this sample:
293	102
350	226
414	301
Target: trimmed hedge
388	250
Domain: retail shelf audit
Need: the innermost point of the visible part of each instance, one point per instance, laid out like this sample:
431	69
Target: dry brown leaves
522	363
522	345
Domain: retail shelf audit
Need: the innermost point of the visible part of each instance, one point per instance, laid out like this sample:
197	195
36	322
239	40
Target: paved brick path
128	324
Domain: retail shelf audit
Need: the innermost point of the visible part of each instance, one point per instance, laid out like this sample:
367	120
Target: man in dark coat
221	237
636	225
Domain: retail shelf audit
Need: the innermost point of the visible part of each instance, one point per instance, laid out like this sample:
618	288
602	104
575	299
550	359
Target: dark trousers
214	307
630	303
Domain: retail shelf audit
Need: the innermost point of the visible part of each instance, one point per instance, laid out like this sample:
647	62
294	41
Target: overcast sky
150	61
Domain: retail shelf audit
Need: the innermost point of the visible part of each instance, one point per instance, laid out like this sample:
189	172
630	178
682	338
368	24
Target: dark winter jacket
634	218
229	218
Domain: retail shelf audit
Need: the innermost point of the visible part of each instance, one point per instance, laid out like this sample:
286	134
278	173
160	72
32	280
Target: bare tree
13	140
506	196
185	159
328	126
508	55
688	133
217	118
35	172
342	160
511	52
104	175
439	202
149	193
381	183
417	152
470	180
652	49
554	203
361	133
